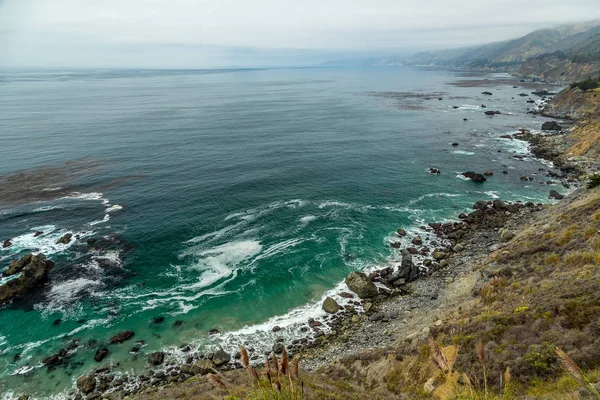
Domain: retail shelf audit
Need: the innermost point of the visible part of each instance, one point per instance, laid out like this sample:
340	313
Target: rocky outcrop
66	239
18	265
6	243
475	177
34	272
221	357
555	195
360	284
407	270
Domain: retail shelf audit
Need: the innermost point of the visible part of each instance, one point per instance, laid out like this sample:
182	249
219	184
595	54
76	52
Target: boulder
331	306
34	273
278	348
480	205
407	270
487	93
6	243
551	126
555	195
434	171
401	232
66	239
489	172
360	284
86	383
202	367
417	241
221	357
454	144
121	337
156	358
101	354
438	255
475	177
489	113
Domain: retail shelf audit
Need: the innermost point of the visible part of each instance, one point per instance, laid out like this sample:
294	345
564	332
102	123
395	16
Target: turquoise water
227	199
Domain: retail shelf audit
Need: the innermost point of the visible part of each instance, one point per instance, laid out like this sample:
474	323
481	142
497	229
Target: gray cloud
212	32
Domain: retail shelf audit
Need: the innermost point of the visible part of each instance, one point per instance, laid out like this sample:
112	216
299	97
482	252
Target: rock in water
6	243
487	93
33	273
489	172
551	126
555	195
101	354
121	337
475	177
221	357
360	284
17	266
86	384
66	239
156	358
331	306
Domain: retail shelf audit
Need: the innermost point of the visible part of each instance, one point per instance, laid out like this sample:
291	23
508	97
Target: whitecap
64	294
101	221
463	152
461	176
308	218
114	207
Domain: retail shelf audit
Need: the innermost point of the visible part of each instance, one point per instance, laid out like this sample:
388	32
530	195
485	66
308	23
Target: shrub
588	84
594	181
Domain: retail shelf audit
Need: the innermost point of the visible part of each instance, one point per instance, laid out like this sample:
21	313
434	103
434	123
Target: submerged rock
34	272
121	337
360	284
101	354
331	306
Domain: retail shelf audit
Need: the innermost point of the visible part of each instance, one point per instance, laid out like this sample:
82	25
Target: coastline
405	313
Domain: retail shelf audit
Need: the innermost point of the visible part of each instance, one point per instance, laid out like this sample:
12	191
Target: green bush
588	84
594	181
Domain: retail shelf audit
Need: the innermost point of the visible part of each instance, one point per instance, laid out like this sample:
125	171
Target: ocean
227	201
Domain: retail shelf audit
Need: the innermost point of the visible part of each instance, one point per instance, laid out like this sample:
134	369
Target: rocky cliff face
584	108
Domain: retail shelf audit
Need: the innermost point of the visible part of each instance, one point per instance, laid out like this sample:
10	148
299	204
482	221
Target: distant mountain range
566	53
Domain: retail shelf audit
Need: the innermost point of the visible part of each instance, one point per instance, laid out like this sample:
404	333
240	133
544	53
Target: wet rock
33	274
454	144
505	172
489	172
396	245
213	331
417	241
66	239
156	358
401	232
278	348
91	241
360	284
276	328
555	195
121	337
101	354
17	266
86	383
407	270
331	306
313	323
346	295
480	205
52	360
551	126
475	177
487	93
221	357
6	243
158	320
434	171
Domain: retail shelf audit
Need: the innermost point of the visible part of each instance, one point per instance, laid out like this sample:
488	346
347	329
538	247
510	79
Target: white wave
429	195
220	261
114	207
492	194
461	176
45	243
63	294
85	196
308	218
111	256
101	221
277	249
47	208
463	152
334	203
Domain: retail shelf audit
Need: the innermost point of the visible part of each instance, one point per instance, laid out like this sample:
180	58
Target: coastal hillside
584	108
564	54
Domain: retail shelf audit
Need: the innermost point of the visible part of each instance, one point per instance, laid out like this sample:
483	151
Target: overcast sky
197	33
